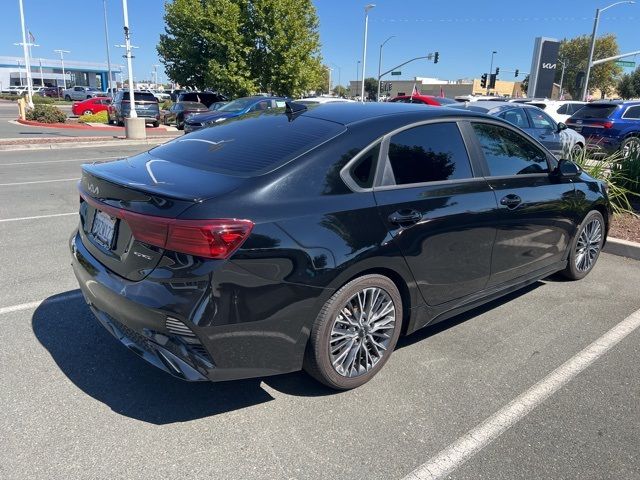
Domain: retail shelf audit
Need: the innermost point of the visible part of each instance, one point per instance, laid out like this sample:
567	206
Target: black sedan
313	238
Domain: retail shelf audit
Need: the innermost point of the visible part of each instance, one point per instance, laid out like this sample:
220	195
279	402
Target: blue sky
464	32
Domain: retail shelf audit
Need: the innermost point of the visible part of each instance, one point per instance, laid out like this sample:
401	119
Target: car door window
541	120
516	117
428	153
563	110
632	112
574	107
508	153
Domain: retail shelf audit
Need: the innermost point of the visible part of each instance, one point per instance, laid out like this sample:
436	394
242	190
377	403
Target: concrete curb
83	144
622	248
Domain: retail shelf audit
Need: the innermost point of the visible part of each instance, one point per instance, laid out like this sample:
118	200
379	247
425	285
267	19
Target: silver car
560	140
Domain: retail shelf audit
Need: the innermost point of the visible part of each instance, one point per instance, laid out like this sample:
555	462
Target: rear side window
140	97
428	153
573	108
508	153
541	120
564	109
364	169
250	145
595	111
516	117
632	112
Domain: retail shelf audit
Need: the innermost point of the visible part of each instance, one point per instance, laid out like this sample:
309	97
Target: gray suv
146	107
82	93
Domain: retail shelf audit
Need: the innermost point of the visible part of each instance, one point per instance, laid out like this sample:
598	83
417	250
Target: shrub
8	96
100	117
630	172
166	105
37	99
46	114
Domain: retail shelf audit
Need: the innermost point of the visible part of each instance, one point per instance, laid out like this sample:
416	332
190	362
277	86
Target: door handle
511	201
405	217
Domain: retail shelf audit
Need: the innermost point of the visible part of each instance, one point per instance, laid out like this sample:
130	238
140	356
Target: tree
371	88
242	46
575	52
524	85
341	91
626	87
286	55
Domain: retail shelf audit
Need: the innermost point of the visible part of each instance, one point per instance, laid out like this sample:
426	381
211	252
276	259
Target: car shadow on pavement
102	368
436	328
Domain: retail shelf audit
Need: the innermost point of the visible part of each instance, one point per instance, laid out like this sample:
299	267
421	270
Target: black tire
575	269
318	362
120	123
67	98
576	151
155	124
630	146
180	126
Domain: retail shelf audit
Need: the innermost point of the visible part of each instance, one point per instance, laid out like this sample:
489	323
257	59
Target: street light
490	70
357	74
380	63
364	50
564	65
585	88
106	39
27	62
64	76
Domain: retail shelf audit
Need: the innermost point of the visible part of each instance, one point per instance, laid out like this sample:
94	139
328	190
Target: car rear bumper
601	145
227	348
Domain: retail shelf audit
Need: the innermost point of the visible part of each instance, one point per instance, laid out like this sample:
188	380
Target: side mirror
568	169
562	126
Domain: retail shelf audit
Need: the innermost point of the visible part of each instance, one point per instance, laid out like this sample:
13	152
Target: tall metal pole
380	64
585	87
592	47
364	50
127	42
357	74
27	63
564	64
490	71
41	75
64	75
106	39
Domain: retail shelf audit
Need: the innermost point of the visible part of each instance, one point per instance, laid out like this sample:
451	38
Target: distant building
450	88
48	72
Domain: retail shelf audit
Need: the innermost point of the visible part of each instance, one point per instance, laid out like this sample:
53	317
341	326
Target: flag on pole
414	92
32	39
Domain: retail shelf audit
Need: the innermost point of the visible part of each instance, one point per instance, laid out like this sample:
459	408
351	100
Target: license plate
578	128
103	228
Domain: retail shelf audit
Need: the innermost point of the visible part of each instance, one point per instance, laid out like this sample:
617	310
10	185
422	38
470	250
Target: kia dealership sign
543	67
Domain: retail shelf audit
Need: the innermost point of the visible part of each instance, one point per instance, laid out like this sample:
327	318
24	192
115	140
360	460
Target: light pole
490	70
380	63
134	127
155	75
357	75
27	63
364	50
64	76
564	65
106	39
330	70
585	88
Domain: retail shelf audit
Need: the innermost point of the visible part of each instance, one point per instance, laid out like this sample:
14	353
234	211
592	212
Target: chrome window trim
345	173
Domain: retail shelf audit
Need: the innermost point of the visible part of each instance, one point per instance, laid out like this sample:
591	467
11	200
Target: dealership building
48	72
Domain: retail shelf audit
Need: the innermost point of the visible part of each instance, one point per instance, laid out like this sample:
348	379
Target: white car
319	100
161	95
559	110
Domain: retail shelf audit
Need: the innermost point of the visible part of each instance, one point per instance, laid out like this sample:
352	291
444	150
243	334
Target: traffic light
497	71
483	80
436	57
517	72
492	80
389	86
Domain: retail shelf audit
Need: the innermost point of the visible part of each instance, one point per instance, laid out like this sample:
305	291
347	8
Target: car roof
486	106
351	112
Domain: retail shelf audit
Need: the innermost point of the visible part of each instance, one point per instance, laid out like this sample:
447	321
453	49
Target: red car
91	105
423	99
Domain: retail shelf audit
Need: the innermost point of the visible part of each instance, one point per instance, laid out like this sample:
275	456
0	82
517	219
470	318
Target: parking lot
76	404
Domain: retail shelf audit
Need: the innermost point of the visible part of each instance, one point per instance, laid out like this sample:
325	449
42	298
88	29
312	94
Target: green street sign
622	63
396	73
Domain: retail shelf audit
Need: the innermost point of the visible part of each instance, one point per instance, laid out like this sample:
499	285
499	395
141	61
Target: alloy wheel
630	147
362	331
588	245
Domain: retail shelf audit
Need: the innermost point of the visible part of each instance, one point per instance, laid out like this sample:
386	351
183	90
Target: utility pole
380	64
491	69
364	51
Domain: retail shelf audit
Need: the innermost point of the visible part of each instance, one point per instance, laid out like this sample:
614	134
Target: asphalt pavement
74	403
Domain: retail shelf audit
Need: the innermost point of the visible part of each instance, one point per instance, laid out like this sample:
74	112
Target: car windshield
194	105
92	89
237	105
595	111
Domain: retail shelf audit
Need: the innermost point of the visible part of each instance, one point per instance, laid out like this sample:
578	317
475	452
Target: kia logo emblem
549	66
93	189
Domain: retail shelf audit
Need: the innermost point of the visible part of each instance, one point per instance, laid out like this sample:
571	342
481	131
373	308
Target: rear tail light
601	124
217	238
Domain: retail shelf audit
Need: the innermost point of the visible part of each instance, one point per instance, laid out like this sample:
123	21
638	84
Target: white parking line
38	181
59	161
36	304
18	219
486	432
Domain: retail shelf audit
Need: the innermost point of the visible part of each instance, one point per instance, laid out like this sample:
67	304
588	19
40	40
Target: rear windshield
194	105
250	145
595	111
140	96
